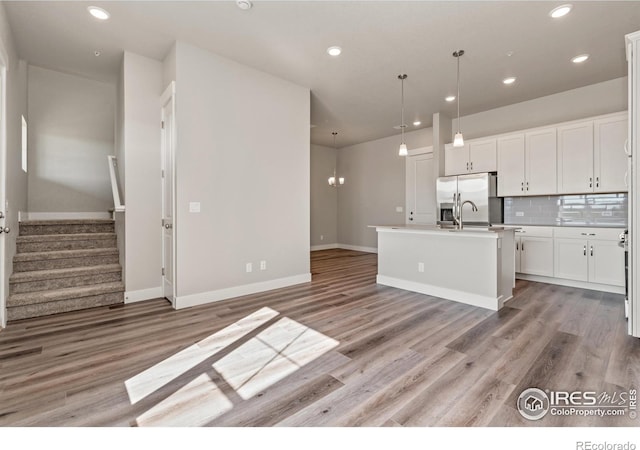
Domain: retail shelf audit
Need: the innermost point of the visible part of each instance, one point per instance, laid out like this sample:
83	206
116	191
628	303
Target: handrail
113	174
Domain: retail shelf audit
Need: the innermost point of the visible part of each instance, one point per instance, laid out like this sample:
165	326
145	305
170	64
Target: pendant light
458	140
402	151
332	180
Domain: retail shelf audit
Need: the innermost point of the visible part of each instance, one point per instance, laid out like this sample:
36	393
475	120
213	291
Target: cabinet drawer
605	234
529	231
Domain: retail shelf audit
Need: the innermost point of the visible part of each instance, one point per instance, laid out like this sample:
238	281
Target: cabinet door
541	162
511	165
421	189
482	156
575	158
609	158
570	259
517	256
456	159
606	263
536	256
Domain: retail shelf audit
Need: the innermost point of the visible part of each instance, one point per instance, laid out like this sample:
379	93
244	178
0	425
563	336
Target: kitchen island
472	265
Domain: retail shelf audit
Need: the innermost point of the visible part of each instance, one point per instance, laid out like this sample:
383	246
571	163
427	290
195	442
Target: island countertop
492	232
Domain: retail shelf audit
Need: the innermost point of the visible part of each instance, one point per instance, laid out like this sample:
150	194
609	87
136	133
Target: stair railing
113	174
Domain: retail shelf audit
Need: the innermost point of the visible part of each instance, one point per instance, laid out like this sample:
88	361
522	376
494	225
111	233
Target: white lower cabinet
571	262
535	255
534	251
590	255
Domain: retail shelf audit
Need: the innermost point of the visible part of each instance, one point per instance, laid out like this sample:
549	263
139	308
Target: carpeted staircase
64	265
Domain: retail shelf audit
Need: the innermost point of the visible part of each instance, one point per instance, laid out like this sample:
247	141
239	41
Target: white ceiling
358	93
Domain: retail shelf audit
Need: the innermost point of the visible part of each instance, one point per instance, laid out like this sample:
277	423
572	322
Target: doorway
168	194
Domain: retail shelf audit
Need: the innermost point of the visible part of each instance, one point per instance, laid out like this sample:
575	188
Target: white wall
71	132
16	180
600	98
374	187
243	153
169	67
324	198
119	153
142	87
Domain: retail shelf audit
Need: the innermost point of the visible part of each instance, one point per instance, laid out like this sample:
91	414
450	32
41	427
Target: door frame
169	95
3	181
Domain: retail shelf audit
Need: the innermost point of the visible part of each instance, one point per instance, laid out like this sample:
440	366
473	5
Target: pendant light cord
458	102
402	77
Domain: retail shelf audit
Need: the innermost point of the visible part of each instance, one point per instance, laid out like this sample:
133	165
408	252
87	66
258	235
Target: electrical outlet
420	267
519	213
399	209
249	267
322	237
263	265
194	207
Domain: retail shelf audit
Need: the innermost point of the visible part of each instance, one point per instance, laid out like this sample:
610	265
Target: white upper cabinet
511	161
575	158
456	159
540	164
527	163
482	156
610	160
476	156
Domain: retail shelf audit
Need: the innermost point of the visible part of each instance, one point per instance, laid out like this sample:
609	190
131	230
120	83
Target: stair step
36	304
42	280
41	227
35	298
52	242
62	259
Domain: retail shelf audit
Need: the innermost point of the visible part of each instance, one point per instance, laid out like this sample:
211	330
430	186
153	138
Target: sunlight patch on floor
157	376
269	356
193	405
272	355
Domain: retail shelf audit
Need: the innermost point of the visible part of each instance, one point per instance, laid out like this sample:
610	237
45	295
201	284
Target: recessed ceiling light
98	13
334	51
580	58
560	11
97	53
509	80
244	4
416	123
450	98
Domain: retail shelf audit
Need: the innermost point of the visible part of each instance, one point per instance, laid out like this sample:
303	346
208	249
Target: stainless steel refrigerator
480	188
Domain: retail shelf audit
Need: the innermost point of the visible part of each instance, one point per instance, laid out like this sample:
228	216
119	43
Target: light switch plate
194	207
399	209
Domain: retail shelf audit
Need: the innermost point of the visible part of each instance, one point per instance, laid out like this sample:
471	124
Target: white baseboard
450	294
572	283
64	215
142	294
315	248
358	248
202	298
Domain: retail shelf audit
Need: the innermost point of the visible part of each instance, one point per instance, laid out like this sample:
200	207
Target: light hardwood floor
339	351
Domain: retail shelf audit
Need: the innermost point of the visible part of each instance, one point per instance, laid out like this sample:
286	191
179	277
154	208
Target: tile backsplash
591	210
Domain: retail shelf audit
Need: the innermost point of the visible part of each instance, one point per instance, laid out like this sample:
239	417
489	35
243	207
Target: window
24	144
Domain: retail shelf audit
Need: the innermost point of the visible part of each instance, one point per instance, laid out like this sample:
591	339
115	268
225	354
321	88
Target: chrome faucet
474	208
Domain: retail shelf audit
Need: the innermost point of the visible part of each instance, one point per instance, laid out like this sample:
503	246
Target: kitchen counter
474	265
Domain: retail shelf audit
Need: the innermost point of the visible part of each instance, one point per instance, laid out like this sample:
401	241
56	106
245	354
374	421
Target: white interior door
421	189
3	201
168	194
